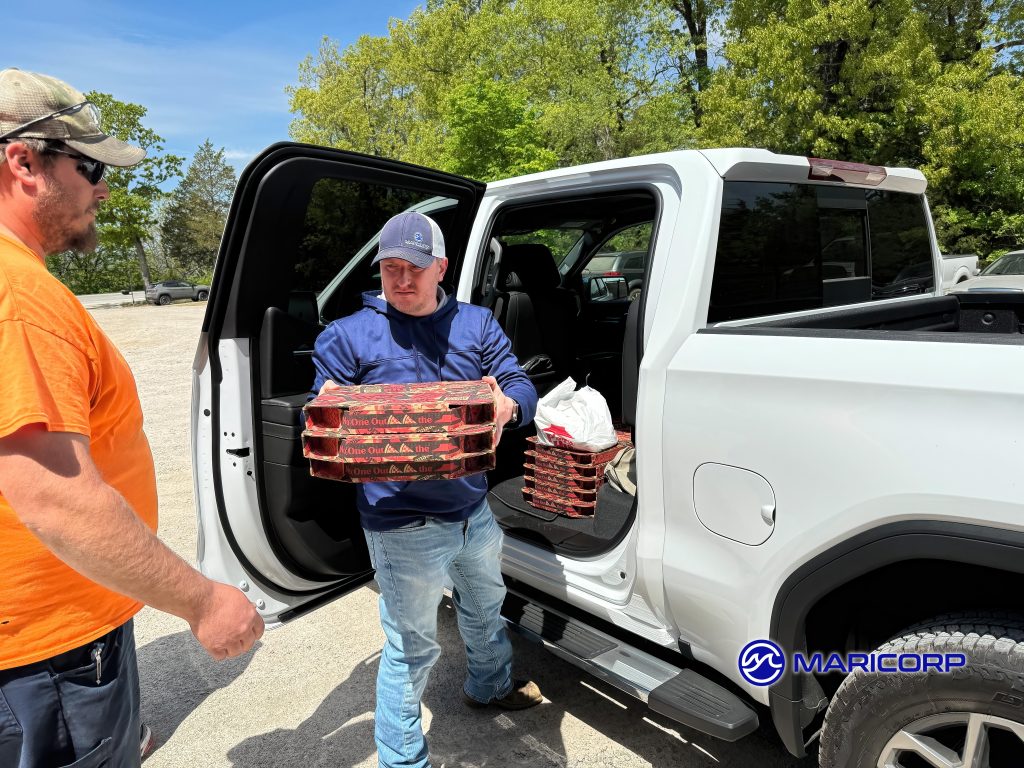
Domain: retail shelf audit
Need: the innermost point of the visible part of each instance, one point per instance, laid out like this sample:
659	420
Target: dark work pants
53	713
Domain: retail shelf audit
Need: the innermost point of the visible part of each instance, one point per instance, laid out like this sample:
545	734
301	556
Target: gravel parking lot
305	696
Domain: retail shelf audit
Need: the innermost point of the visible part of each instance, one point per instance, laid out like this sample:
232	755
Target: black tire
163	300
873	714
203	296
635	294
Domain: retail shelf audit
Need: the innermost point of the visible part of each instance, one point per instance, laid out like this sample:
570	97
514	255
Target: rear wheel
971	717
635	294
203	296
163	300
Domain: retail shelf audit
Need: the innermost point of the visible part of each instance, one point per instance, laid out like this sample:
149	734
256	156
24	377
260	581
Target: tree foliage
127	218
193	219
491	88
579	81
921	83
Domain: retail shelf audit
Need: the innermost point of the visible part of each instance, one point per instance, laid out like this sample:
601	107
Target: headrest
526	267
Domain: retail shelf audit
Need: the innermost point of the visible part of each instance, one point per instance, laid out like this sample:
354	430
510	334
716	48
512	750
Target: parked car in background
957	267
169	290
1004	274
625	264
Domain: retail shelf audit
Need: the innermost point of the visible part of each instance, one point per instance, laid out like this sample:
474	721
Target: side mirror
599	289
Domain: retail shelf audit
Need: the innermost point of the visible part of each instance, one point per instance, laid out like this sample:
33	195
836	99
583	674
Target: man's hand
227	624
504	406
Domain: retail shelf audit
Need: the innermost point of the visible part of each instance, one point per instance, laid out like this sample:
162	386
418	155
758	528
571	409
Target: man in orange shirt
78	507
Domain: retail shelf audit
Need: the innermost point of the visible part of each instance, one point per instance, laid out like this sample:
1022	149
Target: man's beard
54	217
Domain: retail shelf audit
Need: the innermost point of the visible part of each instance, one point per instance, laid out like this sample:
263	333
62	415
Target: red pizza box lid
552	476
568	507
401	446
541	462
421	407
570	456
558	490
401	471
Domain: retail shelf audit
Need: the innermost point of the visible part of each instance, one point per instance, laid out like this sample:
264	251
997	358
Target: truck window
790	247
559	241
636	238
338	238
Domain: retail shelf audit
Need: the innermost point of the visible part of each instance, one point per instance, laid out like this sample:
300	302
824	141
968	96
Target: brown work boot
524	694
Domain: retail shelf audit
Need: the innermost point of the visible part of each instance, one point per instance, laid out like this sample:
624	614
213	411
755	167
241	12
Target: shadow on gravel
176	675
340	732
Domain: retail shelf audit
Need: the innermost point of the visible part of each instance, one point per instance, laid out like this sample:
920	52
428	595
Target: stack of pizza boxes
401	432
558	478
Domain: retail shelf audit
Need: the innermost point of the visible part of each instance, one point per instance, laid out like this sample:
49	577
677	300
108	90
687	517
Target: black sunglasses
93	170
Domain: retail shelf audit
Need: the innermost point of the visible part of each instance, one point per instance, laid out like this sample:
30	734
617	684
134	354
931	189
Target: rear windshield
789	247
1010	264
601	263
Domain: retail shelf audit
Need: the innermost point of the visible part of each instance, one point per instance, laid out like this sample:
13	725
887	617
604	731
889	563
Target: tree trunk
695	14
143	265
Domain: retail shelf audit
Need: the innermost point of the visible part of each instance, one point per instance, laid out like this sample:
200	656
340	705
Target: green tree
194	217
922	83
495	87
973	155
492	133
101	271
125	220
585	79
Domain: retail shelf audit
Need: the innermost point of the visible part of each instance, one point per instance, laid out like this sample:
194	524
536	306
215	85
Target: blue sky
211	69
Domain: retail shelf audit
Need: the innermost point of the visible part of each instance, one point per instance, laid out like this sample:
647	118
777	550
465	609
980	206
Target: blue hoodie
380	345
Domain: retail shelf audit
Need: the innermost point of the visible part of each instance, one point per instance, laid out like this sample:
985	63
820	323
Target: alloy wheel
956	740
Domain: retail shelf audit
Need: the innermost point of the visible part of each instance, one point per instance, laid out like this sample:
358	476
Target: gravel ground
304	697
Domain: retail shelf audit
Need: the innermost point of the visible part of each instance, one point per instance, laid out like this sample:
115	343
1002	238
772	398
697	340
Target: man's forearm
59	494
103	539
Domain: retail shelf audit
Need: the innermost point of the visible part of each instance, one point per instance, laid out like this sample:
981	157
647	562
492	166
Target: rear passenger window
790	247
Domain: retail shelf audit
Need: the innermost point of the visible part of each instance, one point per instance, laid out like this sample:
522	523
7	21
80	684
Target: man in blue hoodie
420	532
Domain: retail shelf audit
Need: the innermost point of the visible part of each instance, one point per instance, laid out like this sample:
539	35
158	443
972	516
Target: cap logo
417	242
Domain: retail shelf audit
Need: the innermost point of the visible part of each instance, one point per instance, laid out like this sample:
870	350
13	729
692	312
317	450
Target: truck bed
966	318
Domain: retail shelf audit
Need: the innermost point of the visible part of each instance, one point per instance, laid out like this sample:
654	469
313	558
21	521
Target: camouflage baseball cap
34	106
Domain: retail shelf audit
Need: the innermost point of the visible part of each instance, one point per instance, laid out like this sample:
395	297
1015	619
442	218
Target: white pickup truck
957	267
806	515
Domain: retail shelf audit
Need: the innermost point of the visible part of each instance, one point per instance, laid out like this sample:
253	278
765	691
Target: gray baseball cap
413	237
34	106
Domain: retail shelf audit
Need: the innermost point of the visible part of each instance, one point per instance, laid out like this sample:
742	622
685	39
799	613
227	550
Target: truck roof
748	164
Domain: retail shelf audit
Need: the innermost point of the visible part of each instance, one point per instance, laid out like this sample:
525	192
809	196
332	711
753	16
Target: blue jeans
411	564
54	713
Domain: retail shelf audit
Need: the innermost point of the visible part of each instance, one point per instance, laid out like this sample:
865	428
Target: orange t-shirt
58	369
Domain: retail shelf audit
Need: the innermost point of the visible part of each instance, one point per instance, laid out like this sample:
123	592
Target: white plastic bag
577	419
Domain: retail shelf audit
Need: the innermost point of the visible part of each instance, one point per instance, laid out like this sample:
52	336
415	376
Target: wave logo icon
762	662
